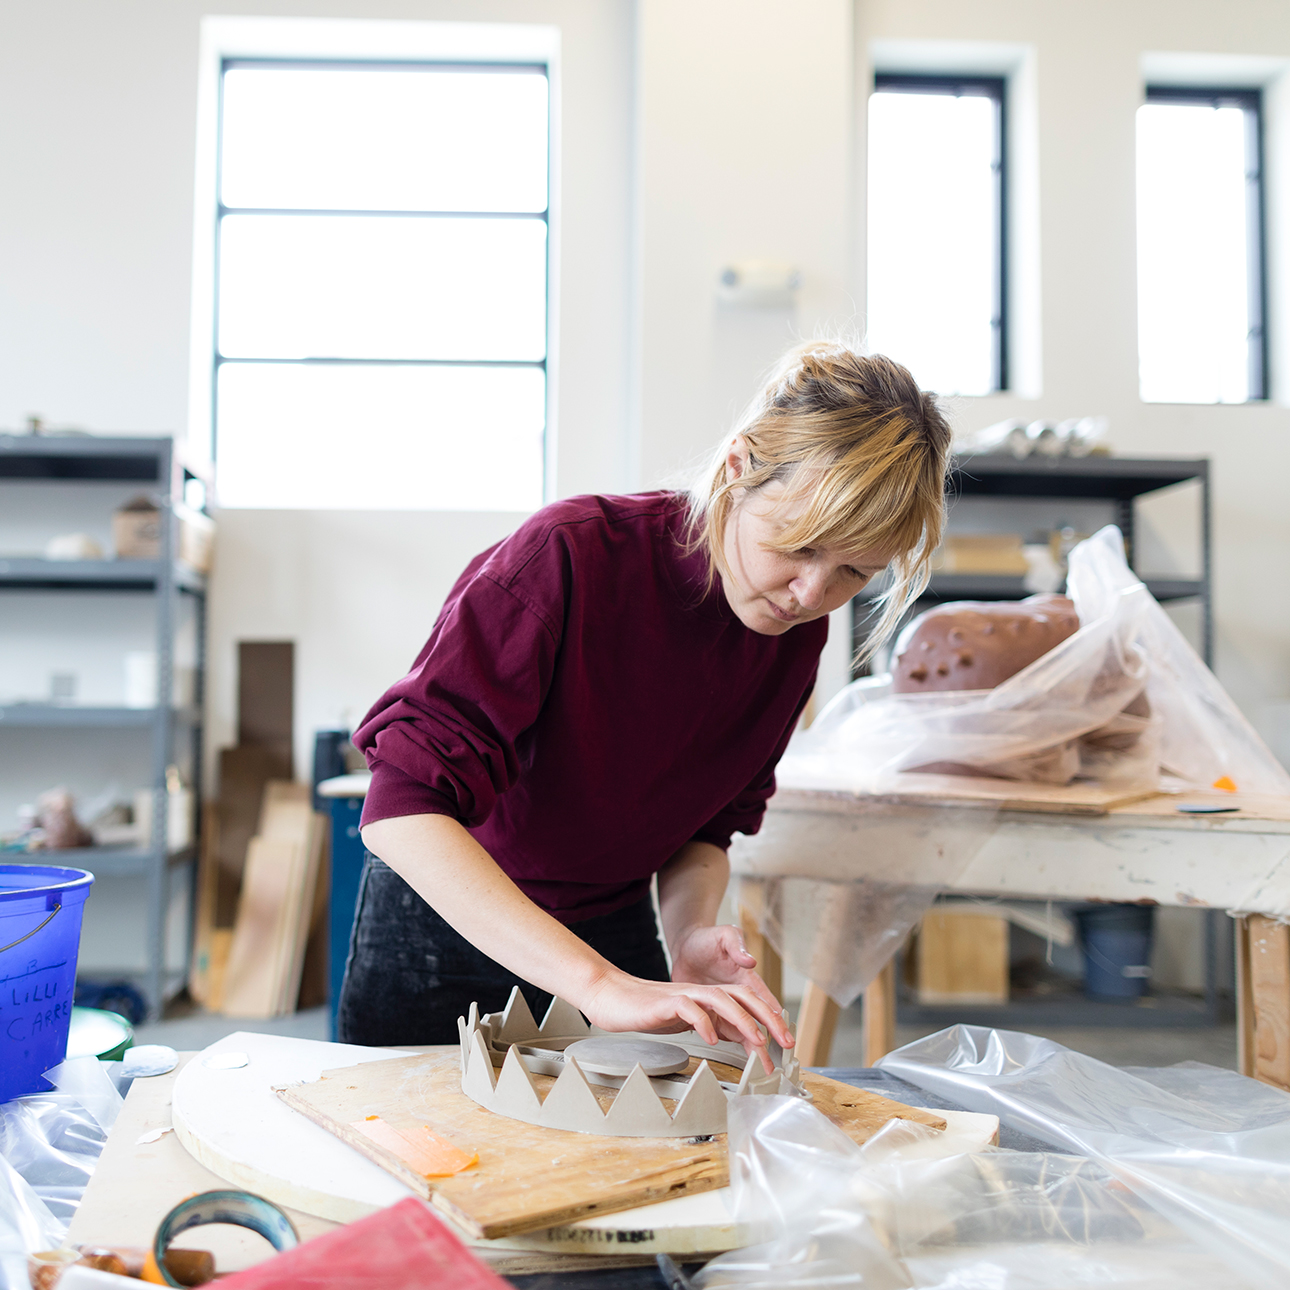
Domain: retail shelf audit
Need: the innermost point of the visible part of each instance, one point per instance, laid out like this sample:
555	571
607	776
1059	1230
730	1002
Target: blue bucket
40	933
1117	950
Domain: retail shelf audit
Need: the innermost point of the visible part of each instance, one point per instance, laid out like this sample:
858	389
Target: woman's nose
808	588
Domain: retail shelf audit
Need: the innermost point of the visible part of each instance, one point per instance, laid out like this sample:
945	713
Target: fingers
700	1022
733	940
751	981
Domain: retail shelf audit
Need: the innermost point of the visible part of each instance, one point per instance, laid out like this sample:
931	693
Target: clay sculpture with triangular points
501	1052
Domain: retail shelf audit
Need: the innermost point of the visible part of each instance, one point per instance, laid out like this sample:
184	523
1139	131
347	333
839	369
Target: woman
603	701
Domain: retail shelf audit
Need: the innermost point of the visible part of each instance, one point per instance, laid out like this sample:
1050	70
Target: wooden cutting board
529	1178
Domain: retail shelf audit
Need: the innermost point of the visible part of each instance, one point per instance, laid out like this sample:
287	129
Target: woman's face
773	591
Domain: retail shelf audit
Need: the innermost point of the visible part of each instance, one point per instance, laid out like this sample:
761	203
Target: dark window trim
1250	101
221	210
994	88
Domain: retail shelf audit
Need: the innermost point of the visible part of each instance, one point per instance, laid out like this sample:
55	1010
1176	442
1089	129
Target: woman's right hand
619	1002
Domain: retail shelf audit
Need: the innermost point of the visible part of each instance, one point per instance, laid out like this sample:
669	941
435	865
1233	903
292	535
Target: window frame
1250	101
994	88
539	66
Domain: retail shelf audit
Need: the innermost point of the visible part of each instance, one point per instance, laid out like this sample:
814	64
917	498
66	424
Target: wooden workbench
1043	844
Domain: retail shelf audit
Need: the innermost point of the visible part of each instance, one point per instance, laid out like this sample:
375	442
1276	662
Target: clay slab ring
609	1056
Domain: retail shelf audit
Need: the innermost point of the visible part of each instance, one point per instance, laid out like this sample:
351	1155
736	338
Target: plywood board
529	1178
253	981
1011	795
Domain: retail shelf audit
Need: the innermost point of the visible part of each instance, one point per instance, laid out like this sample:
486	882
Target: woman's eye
855	573
807	551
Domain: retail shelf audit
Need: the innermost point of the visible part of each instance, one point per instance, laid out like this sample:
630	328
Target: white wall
745	151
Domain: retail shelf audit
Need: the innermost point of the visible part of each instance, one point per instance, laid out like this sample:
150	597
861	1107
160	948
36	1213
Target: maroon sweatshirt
586	705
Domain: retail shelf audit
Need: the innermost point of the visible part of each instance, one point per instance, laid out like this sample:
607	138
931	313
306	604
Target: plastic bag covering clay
1207	1149
1062	716
49	1146
906	1210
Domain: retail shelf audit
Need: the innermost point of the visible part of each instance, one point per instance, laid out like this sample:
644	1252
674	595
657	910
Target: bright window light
381	317
936	253
382	436
1200	294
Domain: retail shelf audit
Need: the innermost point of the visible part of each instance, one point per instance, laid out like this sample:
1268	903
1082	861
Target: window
937	230
1201	336
381	304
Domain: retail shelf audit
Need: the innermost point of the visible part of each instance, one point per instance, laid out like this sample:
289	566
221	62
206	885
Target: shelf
1108	478
120	459
28	716
101	861
34	574
998	586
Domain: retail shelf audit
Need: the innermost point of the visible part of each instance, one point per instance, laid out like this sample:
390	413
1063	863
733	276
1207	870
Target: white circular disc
225	1061
607	1055
150	1059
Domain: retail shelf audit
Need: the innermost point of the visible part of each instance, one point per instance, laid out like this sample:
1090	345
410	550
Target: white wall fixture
759	284
514	1041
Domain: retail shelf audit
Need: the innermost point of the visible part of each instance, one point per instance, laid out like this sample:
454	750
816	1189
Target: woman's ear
736	459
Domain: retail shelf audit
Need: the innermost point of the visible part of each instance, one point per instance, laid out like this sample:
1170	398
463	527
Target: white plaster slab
233	1123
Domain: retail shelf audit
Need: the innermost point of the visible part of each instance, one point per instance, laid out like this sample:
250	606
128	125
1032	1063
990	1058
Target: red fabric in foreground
404	1247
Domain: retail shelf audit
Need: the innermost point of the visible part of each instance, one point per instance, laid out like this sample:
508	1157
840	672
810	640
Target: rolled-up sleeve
442	741
745	812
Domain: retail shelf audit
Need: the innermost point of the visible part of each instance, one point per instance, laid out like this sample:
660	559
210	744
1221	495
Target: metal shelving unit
153	464
1120	480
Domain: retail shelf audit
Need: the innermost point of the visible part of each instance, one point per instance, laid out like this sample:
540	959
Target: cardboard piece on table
529	1178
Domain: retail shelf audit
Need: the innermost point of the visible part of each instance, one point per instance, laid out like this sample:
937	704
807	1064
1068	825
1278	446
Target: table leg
749	908
880	1014
816	1022
1263	999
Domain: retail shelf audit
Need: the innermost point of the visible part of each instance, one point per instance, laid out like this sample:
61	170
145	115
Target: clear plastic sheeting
1206	1149
838	930
49	1146
26	1224
907	1211
1060	718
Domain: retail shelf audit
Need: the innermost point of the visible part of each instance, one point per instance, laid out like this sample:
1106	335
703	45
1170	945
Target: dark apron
410	975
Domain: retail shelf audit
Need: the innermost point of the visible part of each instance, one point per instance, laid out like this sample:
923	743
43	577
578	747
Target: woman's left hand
718	956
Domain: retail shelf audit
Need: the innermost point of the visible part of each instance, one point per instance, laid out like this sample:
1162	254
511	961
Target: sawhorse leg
1263	999
819	1018
750	907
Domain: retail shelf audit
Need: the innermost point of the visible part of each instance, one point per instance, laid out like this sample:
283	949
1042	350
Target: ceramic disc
1204	808
150	1059
607	1055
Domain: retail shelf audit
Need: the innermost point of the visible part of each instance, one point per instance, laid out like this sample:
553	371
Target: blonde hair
862	449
